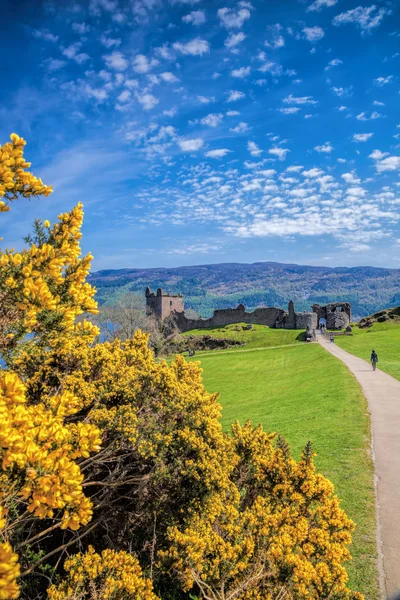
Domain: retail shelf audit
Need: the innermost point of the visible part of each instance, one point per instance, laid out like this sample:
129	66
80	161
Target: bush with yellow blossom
103	445
110	576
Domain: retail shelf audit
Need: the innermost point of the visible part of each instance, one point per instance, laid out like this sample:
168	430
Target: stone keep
162	305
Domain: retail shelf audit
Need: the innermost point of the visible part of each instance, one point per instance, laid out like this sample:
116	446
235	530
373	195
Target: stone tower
161	305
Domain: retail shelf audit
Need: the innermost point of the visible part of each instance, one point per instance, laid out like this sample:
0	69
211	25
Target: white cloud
325	148
119	18
241	73
234	39
254	149
351	178
148	101
100	94
73	53
343	92
218	153
81	28
240	128
195	47
44	34
54	64
96	6
235	95
169	77
165	52
363	116
313	34
171	112
362	137
212	120
378	155
276	38
384	162
232	19
365	18
383	80
299	100
279	152
191	145
378	103
313	173
116	60
319	4
334	63
205	99
391	163
290	110
196	17
124	96
131	83
195	249
109	42
141	64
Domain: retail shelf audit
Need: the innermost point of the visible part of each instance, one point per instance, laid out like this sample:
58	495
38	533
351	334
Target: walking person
374	359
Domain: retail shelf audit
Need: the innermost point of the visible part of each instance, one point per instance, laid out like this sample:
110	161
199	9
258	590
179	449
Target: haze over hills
206	287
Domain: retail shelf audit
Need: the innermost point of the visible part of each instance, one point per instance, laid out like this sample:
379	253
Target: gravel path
383	394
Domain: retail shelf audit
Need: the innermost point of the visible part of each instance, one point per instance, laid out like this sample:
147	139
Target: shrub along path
383	394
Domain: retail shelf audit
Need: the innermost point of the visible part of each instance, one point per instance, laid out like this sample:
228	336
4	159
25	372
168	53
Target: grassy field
304	393
384	338
258	337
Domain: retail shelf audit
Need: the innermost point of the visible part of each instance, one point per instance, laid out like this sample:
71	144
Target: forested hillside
207	287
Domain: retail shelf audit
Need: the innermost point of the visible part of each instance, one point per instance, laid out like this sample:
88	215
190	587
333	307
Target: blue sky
200	131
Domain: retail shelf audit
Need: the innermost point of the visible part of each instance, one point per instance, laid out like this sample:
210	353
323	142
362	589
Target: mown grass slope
384	338
258	337
304	393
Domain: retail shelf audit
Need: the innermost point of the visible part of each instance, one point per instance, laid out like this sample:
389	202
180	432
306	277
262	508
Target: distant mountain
207	287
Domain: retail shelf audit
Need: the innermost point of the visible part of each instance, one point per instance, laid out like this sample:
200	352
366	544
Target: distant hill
207	287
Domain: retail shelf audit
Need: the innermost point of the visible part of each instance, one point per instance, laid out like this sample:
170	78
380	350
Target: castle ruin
170	309
162	305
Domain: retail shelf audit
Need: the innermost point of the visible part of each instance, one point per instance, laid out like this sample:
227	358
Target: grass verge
384	338
304	393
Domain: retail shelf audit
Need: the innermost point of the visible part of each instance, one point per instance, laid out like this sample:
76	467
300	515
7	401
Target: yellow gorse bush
14	179
110	576
38	449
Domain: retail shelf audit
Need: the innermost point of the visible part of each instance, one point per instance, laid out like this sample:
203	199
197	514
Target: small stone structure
337	315
170	310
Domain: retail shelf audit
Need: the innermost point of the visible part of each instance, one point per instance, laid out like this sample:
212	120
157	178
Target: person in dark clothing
374	359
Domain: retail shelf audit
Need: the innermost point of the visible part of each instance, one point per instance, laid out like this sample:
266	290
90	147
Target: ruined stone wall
229	316
336	314
306	321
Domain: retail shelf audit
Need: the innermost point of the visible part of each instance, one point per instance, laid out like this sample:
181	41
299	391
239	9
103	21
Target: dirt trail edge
383	395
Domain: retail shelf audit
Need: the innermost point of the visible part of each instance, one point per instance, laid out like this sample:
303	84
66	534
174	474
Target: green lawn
258	337
384	338
304	393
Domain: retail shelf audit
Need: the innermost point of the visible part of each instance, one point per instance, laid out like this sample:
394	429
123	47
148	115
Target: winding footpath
383	394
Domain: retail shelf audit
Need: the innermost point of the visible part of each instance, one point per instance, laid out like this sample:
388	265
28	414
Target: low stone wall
228	316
